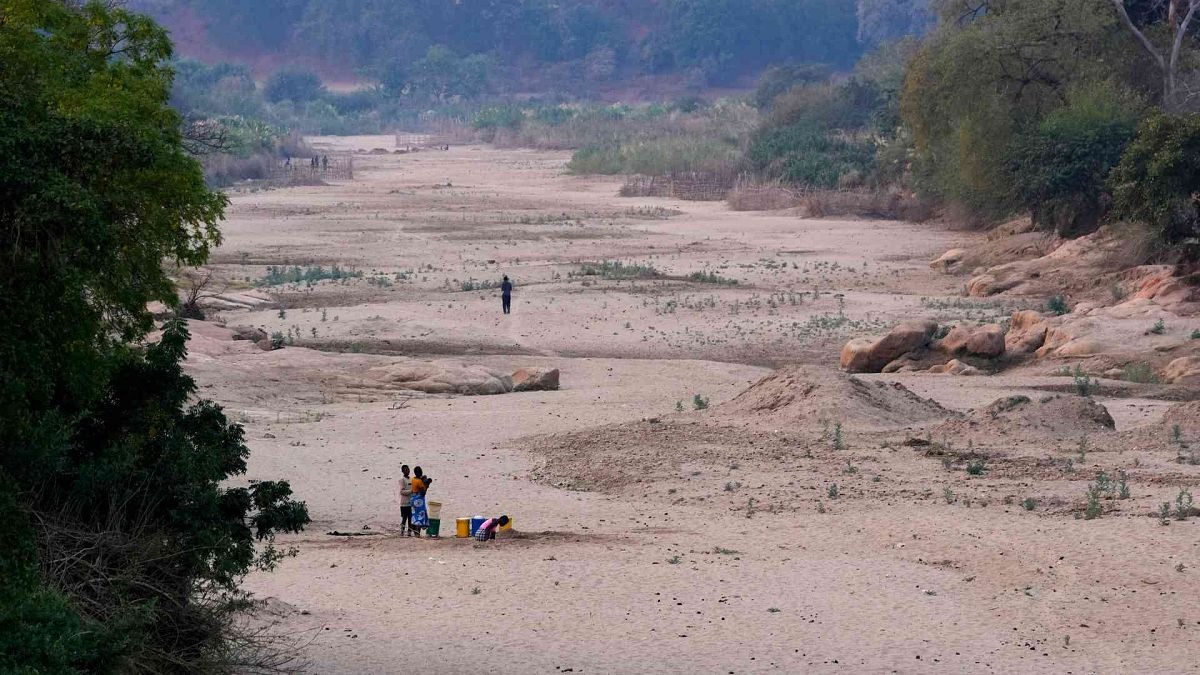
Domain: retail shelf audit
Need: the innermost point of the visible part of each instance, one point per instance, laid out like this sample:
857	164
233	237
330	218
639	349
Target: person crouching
487	531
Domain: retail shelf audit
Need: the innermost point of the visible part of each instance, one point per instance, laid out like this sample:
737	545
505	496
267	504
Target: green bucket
435	526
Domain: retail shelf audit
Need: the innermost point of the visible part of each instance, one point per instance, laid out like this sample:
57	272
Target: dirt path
718	549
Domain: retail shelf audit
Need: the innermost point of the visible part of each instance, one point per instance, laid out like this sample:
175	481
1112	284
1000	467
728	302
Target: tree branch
1193	5
1141	37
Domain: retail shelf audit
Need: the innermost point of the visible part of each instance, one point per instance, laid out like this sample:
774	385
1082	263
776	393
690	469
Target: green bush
803	156
777	80
126	531
498	117
1060	171
1158	178
658	156
293	84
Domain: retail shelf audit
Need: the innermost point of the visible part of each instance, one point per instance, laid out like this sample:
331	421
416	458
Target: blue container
476	523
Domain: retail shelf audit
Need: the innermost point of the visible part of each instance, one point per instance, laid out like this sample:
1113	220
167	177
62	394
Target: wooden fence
299	169
420	141
689	186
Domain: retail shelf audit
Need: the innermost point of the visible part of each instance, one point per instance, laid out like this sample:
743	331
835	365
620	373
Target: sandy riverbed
703	541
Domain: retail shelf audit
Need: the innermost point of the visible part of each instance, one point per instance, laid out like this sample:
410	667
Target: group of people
314	162
414	514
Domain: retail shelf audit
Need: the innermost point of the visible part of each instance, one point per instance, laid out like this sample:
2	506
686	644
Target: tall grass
658	156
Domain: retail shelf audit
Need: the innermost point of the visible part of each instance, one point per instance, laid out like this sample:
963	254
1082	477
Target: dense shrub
802	155
1060	170
1158	180
125	529
293	85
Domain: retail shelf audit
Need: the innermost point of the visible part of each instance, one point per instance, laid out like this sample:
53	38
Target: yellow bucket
509	526
462	527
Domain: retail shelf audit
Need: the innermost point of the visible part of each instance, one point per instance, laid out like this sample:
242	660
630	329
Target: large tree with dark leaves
124	537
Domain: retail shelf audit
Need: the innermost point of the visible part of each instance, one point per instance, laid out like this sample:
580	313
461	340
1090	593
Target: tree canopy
124	544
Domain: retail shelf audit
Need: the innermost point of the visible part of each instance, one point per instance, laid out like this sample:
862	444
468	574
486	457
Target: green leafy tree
124	534
988	77
1060	171
1158	180
293	85
883	21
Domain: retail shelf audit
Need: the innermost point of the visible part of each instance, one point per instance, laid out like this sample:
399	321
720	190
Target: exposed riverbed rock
986	341
865	355
1026	332
1184	370
535	379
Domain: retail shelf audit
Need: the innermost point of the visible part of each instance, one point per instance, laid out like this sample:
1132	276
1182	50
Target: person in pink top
487	531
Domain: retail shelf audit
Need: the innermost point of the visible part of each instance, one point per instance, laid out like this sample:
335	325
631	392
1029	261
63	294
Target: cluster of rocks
914	345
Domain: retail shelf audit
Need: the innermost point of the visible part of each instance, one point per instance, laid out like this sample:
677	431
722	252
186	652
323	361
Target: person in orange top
420	516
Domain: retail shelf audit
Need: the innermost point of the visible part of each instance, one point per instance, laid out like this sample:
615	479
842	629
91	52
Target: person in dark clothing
506	295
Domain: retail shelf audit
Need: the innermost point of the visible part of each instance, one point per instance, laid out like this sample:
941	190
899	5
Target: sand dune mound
618	457
1185	415
1050	417
809	395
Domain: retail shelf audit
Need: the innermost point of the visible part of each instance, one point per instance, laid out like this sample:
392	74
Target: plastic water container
508	527
462	527
476	523
435	527
434	509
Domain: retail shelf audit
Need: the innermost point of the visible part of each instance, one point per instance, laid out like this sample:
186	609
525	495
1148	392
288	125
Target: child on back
419	518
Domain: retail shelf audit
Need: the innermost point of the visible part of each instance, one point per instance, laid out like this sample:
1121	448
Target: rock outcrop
864	355
1183	370
535	379
1026	332
986	341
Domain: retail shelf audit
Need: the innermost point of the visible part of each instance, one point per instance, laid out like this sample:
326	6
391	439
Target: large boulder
1183	370
535	379
1026	332
870	356
856	355
986	341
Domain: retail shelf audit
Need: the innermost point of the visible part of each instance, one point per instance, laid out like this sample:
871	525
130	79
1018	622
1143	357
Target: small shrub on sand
279	275
706	277
976	467
616	269
1029	504
1093	510
1084	384
699	402
1183	504
1057	305
1158	328
1140	373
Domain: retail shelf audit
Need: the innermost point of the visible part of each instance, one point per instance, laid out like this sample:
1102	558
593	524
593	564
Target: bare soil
811	522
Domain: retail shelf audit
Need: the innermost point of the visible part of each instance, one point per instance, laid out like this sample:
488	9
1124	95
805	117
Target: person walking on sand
405	501
419	518
506	295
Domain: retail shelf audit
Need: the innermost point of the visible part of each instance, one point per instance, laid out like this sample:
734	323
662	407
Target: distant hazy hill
543	42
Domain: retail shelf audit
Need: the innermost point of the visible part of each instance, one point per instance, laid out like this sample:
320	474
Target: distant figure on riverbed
506	295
